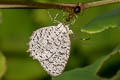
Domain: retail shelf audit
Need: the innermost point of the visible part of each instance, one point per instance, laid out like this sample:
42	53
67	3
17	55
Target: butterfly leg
53	18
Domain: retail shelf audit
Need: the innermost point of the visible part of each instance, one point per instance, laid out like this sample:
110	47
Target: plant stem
36	5
33	5
100	3
61	6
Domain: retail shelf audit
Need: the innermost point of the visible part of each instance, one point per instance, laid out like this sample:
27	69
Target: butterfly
51	47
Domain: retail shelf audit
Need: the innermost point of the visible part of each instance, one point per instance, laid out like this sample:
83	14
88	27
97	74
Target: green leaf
89	72
110	66
105	21
2	65
117	76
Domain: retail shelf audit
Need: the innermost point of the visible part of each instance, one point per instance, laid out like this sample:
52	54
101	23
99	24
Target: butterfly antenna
81	39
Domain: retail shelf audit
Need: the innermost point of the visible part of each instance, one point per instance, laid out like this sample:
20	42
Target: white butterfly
51	47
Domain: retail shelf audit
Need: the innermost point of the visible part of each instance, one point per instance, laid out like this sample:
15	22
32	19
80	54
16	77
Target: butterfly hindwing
51	47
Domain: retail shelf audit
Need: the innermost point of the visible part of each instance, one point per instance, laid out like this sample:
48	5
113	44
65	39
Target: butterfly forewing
51	47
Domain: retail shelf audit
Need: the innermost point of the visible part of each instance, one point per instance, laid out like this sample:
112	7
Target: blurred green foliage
17	26
2	65
101	23
91	72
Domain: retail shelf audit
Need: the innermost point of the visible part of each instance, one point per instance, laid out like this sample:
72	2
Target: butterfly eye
77	9
67	19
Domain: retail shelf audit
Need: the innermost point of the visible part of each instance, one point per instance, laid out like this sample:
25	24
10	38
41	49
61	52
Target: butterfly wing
51	47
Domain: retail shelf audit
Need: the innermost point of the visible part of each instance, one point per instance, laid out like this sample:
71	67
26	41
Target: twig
100	3
68	7
37	5
61	6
